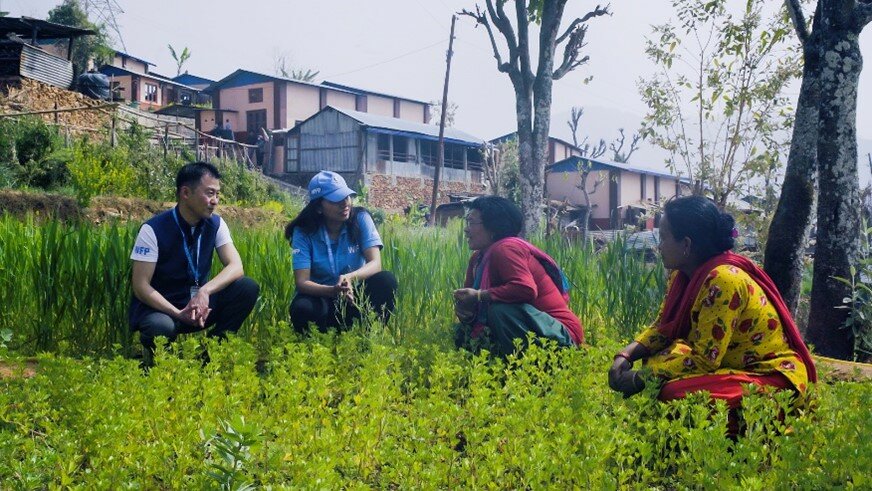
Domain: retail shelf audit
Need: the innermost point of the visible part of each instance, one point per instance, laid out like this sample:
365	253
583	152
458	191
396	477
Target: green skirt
507	322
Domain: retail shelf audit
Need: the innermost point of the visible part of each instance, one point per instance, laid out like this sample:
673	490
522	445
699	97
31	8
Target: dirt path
843	370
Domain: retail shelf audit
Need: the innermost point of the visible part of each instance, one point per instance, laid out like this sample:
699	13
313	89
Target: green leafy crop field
391	406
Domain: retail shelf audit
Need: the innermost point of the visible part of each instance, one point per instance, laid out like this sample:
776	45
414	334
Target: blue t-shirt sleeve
369	236
301	250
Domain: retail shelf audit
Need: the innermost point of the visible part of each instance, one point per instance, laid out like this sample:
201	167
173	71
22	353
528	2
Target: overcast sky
398	47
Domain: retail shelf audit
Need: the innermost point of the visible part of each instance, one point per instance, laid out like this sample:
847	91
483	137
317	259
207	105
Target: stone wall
396	193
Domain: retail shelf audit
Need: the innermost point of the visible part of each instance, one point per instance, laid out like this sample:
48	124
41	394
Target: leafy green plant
228	451
31	151
860	299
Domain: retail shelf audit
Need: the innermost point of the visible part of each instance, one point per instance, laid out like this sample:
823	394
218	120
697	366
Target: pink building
132	80
619	193
557	149
277	103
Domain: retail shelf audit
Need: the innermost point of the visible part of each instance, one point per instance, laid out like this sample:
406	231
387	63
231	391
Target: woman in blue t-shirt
335	245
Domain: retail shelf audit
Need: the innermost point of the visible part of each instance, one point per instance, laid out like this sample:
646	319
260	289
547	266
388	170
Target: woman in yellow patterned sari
723	323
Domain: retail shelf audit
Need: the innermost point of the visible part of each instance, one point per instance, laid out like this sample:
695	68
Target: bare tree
533	89
585	166
436	113
617	145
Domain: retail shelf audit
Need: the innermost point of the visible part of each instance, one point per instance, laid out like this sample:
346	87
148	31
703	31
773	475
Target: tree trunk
789	228
838	215
530	203
585	215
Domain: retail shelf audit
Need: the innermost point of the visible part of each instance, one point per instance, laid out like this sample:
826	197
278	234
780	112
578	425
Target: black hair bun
725	239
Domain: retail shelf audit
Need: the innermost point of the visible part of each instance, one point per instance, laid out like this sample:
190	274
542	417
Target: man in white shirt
172	259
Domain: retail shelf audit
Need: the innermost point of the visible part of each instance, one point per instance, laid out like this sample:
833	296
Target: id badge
194	291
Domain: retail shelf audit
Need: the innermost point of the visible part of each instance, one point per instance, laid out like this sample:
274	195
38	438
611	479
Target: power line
437	43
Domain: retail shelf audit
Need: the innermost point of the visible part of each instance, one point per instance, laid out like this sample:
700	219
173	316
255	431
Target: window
254	121
151	92
473	158
255	95
384	147
454	155
360	103
401	150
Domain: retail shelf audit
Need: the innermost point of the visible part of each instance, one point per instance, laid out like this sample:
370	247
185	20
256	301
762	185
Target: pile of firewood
30	96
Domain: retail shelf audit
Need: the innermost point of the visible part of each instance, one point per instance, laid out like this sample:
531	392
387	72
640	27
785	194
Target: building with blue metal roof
619	194
394	158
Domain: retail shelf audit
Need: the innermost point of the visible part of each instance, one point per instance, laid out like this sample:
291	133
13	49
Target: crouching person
172	258
335	245
512	288
723	324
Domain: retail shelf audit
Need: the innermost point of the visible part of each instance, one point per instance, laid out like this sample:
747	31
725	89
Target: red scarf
537	253
675	321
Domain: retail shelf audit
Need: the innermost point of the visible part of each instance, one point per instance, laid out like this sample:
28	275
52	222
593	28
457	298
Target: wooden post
166	139
112	137
441	159
56	114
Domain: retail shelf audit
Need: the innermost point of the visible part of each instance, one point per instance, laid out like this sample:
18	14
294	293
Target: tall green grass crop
66	287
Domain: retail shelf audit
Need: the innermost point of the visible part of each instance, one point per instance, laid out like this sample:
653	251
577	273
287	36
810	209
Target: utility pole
441	154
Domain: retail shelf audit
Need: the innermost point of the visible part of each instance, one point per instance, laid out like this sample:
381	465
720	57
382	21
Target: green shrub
98	169
31	151
348	412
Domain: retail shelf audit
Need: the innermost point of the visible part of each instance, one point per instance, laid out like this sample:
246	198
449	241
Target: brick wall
383	193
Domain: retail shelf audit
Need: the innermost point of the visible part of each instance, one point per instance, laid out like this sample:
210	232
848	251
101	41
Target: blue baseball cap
330	186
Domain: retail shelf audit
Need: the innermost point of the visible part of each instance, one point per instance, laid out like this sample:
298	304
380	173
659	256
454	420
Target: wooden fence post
112	129
166	139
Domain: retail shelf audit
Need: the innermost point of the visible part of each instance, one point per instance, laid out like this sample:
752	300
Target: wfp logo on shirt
141	250
295	251
352	249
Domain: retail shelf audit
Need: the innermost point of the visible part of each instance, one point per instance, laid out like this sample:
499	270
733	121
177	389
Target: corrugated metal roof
24	27
514	135
241	78
126	55
571	165
188	79
403	126
38	65
115	70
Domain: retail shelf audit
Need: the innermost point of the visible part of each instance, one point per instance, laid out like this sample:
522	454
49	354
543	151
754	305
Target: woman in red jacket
512	288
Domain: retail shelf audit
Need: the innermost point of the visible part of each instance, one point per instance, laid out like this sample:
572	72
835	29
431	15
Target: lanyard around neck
192	261
330	257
